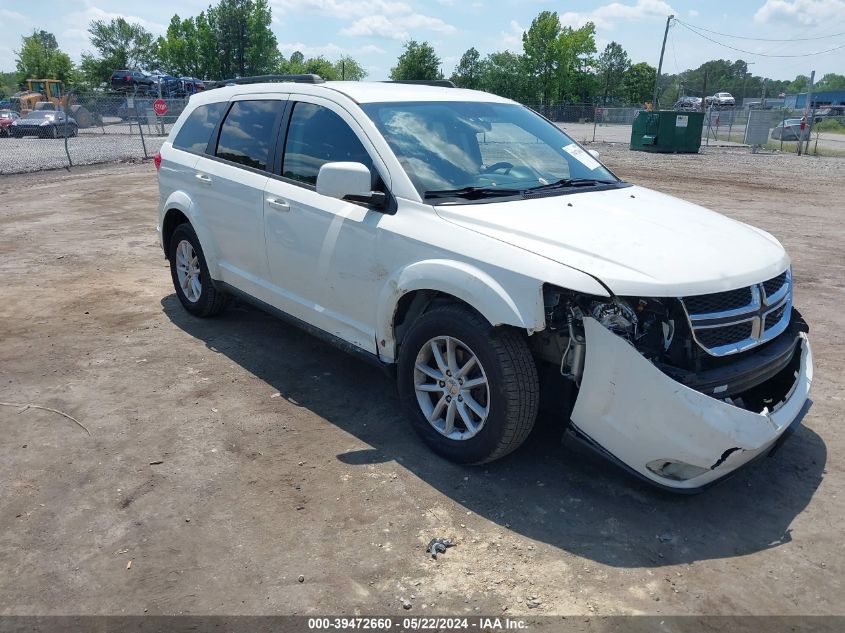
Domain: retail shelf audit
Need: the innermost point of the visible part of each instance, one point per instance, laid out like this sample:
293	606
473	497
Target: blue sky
372	31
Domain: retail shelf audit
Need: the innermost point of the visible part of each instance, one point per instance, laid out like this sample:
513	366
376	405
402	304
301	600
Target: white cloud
693	13
392	19
7	14
804	12
330	50
343	9
75	39
606	16
396	27
512	38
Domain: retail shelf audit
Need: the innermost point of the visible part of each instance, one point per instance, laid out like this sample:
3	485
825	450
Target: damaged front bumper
672	435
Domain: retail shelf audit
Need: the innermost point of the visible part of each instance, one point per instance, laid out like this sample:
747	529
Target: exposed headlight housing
616	315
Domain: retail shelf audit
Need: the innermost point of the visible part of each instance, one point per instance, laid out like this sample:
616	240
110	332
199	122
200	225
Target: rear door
229	182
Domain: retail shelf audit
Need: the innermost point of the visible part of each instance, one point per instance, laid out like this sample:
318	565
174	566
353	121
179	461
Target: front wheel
190	275
470	390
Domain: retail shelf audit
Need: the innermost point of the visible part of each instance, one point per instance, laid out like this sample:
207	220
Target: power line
741	50
761	39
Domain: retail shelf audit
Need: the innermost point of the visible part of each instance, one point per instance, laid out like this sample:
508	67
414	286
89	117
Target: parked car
44	124
190	85
165	86
830	112
465	243
790	130
131	80
721	100
7	117
688	103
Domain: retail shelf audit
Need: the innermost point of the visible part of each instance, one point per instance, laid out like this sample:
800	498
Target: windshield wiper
472	193
572	182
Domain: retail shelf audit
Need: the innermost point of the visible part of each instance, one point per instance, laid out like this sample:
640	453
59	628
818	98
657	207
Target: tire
208	301
503	360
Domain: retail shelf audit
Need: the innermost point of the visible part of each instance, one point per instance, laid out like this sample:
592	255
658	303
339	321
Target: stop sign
160	107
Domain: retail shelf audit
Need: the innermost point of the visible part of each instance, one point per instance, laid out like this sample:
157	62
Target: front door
322	252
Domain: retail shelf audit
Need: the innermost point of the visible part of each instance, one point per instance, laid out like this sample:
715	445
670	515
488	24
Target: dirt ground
230	457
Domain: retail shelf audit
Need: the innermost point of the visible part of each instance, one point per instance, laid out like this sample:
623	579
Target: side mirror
348	181
593	152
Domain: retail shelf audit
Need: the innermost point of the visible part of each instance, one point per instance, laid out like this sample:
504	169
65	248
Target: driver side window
316	136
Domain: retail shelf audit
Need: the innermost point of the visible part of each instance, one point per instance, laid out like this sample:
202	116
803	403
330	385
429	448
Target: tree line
229	39
557	64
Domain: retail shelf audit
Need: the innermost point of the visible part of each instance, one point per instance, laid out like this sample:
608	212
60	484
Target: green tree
831	81
467	73
348	69
245	45
638	84
40	58
799	84
575	49
8	84
612	65
121	45
179	49
506	74
541	44
418	61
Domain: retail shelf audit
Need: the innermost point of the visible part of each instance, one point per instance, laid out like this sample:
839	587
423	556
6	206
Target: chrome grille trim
761	306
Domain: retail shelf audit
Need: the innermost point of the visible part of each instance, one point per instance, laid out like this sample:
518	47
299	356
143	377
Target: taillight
128	77
157	160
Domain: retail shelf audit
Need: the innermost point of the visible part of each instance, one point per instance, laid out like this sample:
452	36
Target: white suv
473	246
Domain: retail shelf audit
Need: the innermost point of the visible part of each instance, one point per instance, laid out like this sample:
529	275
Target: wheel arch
179	208
411	290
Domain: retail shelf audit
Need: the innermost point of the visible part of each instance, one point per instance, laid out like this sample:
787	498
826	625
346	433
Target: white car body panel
638	414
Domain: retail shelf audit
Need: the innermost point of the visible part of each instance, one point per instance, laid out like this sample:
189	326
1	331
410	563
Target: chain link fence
109	127
91	128
588	122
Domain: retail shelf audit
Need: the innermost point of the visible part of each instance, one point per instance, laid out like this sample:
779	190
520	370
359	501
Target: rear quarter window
195	133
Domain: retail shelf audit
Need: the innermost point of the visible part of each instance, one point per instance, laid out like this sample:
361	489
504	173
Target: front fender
520	305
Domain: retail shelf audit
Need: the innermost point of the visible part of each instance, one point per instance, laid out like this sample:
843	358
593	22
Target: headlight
617	316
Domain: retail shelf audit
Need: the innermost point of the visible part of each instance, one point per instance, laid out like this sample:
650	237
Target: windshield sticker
581	156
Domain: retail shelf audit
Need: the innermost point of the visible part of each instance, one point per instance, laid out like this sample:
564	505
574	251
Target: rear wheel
189	272
470	390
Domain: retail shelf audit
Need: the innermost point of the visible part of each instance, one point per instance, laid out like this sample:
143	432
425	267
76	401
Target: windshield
445	146
40	114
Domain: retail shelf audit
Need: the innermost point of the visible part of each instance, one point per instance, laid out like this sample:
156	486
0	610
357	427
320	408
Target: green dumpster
667	131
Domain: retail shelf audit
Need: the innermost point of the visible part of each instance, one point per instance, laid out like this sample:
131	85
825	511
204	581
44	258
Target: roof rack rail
260	79
440	83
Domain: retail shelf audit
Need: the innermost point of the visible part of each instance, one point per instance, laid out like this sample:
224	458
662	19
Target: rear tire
508	397
189	271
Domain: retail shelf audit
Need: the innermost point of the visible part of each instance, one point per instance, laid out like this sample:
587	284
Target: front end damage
673	411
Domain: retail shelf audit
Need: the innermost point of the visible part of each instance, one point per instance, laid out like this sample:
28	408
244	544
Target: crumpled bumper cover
640	415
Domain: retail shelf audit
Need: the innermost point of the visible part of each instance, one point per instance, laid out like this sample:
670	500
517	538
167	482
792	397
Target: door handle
206	180
278	203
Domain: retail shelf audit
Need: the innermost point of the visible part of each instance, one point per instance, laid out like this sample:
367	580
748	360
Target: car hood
634	240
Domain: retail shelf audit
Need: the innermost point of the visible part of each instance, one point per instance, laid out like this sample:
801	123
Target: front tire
189	272
470	390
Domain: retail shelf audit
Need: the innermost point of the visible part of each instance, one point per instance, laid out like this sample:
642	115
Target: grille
774	284
773	318
727	335
718	301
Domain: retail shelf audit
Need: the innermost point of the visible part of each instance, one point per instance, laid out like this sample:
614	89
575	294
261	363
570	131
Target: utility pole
660	63
809	107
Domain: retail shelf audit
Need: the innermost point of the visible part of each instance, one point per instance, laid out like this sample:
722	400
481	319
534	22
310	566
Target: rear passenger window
247	132
316	135
196	131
